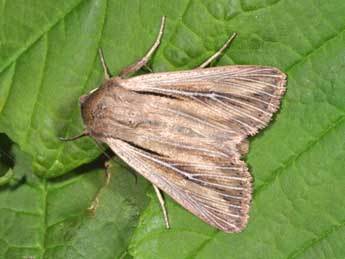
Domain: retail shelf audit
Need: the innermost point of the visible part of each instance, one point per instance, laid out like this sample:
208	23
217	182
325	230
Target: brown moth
186	131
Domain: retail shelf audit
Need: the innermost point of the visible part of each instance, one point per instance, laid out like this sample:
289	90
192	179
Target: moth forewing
243	98
185	131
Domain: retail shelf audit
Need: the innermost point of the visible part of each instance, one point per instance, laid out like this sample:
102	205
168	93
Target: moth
186	131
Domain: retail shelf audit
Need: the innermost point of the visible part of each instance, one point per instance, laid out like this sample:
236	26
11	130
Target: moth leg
94	205
107	174
95	202
219	52
142	62
104	64
148	68
162	203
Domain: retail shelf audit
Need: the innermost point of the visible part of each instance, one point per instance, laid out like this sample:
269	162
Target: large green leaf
48	58
41	219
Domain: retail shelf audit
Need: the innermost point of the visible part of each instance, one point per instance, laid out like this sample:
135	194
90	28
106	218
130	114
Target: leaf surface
48	58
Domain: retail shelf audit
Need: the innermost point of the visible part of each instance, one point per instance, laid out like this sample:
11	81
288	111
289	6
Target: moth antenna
104	65
219	52
107	164
82	134
143	61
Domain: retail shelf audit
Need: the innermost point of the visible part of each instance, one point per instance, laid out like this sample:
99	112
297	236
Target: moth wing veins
198	163
218	192
243	97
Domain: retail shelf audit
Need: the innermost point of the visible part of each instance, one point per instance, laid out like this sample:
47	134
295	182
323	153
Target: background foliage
48	58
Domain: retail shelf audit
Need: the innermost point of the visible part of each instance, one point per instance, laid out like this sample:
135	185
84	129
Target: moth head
93	104
87	105
84	97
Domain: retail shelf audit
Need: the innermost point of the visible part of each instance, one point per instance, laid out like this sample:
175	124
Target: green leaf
52	219
48	58
6	178
6	159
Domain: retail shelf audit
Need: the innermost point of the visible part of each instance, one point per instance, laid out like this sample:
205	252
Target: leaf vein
41	34
309	244
277	172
